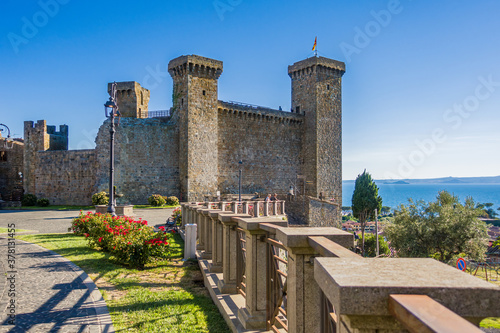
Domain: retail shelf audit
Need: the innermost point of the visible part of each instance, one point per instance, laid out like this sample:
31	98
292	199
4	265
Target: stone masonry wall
11	163
65	177
146	159
267	141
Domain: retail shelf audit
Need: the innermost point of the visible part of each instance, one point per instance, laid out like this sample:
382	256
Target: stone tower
132	99
317	94
195	103
40	137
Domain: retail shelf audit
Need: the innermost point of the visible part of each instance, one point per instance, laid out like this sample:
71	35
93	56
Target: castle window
297	109
182	101
3	156
203	92
327	87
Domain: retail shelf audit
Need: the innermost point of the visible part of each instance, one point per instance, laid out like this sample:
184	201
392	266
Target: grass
154	207
6	230
54	207
167	296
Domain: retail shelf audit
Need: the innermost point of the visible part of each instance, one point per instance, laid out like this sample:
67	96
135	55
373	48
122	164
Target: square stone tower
317	94
132	99
195	101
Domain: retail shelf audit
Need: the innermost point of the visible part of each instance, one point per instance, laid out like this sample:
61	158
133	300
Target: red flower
86	235
162	228
129	243
100	239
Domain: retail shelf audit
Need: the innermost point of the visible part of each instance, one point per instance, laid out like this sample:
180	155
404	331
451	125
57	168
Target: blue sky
421	95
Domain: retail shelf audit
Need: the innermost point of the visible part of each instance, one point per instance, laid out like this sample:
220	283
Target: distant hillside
445	180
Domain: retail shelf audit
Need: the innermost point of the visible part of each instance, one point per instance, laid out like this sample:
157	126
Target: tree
497	242
365	200
441	228
371	245
385	210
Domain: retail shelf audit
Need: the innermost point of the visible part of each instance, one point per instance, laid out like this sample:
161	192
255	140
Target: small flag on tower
315	42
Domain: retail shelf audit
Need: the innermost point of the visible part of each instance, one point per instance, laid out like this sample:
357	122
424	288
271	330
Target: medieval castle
194	151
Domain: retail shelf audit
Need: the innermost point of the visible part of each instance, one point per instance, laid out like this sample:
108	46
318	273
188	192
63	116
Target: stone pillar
266	208
206	223
217	251
253	315
196	218
303	293
229	247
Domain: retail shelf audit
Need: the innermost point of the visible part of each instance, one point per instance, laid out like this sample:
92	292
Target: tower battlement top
316	61
195	65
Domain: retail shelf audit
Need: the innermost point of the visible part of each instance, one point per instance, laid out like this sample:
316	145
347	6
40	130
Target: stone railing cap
363	286
297	236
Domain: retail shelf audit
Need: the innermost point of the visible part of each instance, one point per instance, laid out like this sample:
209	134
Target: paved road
49	293
49	221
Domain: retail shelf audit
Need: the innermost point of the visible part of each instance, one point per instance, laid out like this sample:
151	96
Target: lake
394	195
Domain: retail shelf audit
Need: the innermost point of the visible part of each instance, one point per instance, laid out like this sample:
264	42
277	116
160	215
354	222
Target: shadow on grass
182	301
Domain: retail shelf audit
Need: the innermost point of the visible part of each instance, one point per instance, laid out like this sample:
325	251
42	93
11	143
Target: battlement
259	113
132	99
41	136
195	65
320	65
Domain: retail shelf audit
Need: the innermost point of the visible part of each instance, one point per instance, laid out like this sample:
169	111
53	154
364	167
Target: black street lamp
111	111
239	182
8	137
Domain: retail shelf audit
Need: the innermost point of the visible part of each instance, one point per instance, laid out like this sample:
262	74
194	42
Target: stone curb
103	316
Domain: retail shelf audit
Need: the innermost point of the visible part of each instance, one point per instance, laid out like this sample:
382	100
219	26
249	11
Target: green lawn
167	296
5	230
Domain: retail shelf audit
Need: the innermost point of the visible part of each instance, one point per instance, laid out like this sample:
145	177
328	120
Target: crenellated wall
267	141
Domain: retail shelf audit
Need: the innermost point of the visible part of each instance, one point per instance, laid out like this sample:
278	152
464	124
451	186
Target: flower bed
130	241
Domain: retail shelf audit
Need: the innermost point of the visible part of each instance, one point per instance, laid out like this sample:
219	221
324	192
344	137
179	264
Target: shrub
43	202
100	198
29	200
177	213
129	241
156	200
172	201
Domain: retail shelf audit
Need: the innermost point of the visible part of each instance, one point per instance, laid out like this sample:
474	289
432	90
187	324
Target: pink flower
86	235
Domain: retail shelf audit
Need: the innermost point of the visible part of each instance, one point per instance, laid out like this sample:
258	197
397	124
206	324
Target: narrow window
203	92
3	156
297	109
327	87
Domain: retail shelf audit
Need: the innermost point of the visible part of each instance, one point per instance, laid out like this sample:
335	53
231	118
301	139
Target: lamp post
8	136
239	182
111	111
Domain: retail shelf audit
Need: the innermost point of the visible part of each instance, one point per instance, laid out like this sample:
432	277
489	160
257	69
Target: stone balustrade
304	279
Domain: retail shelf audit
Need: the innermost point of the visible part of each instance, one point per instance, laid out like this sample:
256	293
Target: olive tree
442	229
365	200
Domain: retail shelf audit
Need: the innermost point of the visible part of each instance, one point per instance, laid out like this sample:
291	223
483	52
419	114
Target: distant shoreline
437	181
